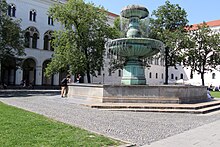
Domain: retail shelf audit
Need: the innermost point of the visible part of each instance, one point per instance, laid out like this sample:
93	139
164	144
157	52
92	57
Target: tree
204	54
168	26
11	37
79	47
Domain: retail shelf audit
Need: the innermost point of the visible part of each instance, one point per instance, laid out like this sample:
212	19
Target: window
150	75
34	40
156	75
172	76
109	72
11	10
31	37
150	60
191	75
47	40
213	75
119	73
27	39
99	72
162	76
181	76
50	20
32	16
156	61
161	61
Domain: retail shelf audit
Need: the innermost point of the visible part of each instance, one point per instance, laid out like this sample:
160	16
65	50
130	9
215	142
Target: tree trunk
1	80
202	77
166	65
88	74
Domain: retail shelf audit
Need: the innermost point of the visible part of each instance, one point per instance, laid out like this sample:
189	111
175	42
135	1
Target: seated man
209	95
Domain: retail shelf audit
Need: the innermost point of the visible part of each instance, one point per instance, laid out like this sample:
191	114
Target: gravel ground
139	128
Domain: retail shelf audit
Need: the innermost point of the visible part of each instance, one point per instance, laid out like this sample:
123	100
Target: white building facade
38	27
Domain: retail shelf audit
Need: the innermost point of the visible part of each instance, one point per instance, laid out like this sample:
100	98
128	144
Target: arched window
156	75
150	60
31	37
119	73
191	75
32	15
11	10
34	40
213	75
156	61
181	76
27	39
172	76
109	72
162	76
47	40
150	75
162	61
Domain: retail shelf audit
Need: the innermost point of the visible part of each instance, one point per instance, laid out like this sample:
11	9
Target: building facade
38	27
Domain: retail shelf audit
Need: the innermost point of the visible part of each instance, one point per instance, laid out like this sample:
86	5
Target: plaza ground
140	128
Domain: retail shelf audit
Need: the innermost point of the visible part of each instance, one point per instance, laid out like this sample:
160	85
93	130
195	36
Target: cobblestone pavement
140	128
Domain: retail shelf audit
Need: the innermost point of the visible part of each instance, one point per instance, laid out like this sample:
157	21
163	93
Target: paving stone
140	128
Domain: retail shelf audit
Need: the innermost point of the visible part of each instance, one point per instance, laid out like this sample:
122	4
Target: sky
197	10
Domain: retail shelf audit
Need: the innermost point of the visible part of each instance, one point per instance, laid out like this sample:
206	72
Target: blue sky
197	10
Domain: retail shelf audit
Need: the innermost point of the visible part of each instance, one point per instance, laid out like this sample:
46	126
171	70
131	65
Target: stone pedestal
133	73
139	93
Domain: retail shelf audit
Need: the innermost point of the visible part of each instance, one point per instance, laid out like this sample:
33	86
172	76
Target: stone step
199	111
156	105
15	87
199	108
140	100
25	92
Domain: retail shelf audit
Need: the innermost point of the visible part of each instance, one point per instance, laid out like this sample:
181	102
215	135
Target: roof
113	14
213	23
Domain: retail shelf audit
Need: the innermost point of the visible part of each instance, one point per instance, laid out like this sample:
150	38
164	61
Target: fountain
133	88
134	48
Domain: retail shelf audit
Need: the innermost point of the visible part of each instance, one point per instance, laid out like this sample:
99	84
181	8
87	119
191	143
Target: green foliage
204	53
168	25
22	128
11	35
80	45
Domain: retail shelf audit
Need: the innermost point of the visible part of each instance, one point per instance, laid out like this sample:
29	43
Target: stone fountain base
133	73
138	93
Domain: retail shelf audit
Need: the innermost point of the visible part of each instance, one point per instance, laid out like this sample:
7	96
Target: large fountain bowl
135	47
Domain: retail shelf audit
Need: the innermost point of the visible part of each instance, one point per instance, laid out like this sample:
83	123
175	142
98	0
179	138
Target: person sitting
210	97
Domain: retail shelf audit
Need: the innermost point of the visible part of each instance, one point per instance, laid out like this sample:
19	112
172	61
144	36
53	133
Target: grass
215	94
22	128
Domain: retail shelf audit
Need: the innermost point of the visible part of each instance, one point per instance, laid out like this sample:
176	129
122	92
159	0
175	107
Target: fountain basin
135	47
134	11
180	94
